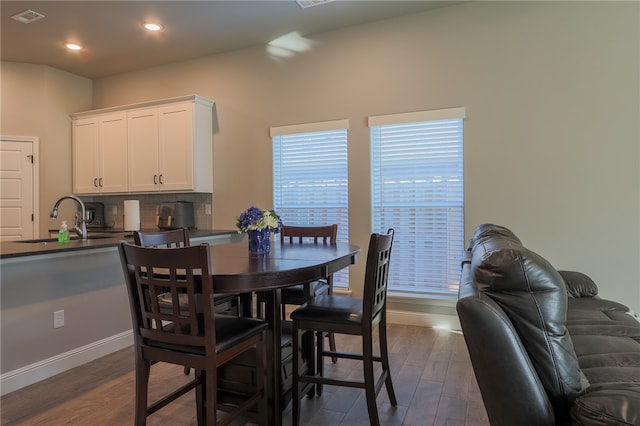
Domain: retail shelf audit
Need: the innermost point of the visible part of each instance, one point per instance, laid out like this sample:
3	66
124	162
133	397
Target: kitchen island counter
65	304
97	239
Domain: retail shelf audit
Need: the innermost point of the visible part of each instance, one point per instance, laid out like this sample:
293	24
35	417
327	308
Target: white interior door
18	188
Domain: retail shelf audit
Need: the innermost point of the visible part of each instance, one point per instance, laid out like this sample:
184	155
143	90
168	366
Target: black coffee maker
95	215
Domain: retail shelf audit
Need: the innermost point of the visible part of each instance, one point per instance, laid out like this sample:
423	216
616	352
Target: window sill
422	310
434	299
342	291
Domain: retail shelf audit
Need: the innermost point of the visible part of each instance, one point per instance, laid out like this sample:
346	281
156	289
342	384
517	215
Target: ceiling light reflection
279	51
289	44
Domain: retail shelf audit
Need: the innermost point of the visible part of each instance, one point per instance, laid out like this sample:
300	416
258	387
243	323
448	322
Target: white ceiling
114	40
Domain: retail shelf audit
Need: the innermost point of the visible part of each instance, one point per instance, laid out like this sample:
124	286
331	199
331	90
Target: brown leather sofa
545	349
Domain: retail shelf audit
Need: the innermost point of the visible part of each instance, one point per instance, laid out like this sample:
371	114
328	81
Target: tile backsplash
114	207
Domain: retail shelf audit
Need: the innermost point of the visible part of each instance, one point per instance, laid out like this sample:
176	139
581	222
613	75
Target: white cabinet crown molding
159	102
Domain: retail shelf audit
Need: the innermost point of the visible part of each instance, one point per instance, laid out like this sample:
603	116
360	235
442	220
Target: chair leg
143	368
384	355
332	346
295	391
308	350
211	396
259	299
261	362
319	360
332	336
369	379
200	398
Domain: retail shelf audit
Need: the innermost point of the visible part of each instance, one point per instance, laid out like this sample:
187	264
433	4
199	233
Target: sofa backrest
523	298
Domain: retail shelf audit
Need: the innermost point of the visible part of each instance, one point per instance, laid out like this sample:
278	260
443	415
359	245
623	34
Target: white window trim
320	126
408	117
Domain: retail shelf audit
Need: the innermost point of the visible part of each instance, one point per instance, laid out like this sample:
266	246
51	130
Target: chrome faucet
80	226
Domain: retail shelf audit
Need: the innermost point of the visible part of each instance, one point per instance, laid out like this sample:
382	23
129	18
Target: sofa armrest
608	404
509	384
579	284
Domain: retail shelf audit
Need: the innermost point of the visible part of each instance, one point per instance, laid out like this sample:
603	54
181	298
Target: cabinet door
176	147
113	165
86	149
142	131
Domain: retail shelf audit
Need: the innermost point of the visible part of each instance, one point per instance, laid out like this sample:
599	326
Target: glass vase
260	241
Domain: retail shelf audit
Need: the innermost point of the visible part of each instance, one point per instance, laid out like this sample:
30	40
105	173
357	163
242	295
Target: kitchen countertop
98	238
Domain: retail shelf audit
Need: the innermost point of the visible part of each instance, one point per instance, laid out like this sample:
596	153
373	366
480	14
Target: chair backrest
167	239
151	271
376	276
325	234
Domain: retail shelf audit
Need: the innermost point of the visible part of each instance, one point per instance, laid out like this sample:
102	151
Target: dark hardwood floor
432	375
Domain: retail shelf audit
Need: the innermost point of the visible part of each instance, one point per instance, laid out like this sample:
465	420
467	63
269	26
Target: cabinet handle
95	182
100	182
161	180
155	179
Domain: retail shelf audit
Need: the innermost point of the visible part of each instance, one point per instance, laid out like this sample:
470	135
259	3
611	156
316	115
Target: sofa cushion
607	357
533	295
608	404
597	344
617	359
595	308
604	328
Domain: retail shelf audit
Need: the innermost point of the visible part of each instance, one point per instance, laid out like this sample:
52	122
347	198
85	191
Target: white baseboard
33	373
30	374
422	319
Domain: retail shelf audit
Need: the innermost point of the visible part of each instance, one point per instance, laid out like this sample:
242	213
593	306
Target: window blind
310	182
417	189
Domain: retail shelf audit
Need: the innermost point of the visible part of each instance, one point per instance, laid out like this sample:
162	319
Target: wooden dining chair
298	294
346	315
224	303
165	239
190	334
301	293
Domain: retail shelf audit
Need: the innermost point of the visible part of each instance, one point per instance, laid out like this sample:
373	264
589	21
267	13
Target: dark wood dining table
235	270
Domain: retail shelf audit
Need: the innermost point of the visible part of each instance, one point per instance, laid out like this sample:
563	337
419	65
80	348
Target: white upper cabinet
143	149
176	145
100	154
168	146
162	141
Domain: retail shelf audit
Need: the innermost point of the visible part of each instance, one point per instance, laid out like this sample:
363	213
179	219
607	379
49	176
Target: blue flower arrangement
255	219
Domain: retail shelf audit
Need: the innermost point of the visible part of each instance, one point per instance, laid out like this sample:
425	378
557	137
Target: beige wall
36	101
551	139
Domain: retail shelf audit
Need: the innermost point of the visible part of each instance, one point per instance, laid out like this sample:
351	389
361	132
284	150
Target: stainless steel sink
73	238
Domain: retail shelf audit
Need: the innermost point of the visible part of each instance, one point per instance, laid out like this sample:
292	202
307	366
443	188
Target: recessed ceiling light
73	46
153	27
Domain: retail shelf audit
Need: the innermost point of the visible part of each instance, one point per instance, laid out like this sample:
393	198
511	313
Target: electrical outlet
114	210
207	209
58	319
